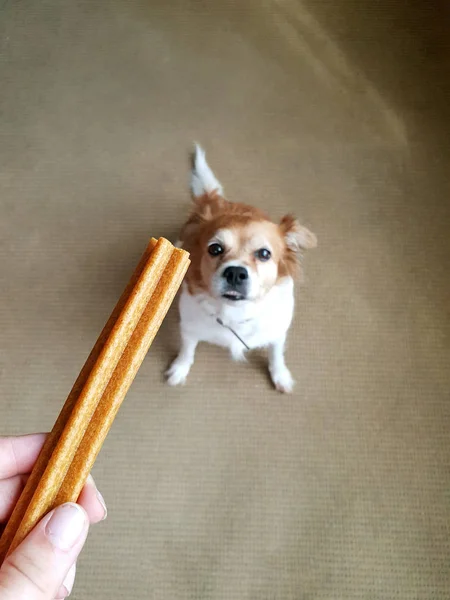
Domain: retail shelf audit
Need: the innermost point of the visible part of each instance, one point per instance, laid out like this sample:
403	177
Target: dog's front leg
179	369
279	373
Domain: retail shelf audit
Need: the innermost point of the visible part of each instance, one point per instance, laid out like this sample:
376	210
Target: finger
92	501
18	454
90	498
67	584
39	565
10	490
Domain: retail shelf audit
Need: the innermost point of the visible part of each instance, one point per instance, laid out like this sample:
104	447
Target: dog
239	290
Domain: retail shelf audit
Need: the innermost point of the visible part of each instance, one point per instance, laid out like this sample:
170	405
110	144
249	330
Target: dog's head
237	252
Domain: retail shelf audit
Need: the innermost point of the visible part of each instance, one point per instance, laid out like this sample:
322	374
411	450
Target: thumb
37	568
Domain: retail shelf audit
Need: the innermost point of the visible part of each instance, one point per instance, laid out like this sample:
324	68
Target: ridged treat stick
52	438
71	448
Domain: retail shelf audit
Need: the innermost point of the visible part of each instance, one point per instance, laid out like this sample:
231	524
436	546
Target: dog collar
218	320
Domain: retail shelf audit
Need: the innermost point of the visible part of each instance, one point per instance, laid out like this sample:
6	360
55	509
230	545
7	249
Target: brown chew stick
79	432
122	378
52	438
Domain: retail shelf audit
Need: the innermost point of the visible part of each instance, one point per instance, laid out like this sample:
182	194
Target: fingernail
90	481
103	503
66	525
69	580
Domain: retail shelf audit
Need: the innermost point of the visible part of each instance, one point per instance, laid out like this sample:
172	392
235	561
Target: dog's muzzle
236	283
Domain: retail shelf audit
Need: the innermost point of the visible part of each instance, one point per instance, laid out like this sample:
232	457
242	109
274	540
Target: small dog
239	290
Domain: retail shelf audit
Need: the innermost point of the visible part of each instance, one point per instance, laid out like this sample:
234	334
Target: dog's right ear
206	207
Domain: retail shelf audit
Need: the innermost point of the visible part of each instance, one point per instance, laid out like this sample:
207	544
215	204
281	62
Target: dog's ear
297	237
206	207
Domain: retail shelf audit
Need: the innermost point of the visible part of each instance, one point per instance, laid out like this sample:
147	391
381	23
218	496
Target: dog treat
71	448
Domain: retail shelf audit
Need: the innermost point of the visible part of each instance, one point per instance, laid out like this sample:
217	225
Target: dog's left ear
297	237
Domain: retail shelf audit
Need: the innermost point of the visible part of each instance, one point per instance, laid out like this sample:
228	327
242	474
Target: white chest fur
257	323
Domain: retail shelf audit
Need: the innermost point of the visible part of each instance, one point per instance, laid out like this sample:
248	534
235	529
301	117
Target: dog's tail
203	180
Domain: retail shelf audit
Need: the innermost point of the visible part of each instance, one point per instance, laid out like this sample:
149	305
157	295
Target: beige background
337	110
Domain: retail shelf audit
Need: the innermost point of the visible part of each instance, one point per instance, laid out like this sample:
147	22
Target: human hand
42	567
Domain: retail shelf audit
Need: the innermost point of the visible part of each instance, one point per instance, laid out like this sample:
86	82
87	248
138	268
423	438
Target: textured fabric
335	110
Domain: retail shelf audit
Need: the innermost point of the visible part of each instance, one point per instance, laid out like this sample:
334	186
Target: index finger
19	453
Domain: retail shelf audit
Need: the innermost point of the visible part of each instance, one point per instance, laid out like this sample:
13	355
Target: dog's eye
215	249
263	254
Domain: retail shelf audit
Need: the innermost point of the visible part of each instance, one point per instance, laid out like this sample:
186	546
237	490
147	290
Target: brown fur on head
243	231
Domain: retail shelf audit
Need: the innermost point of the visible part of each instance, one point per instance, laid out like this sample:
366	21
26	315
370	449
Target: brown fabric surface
335	110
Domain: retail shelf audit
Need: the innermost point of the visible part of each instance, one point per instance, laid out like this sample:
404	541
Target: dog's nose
235	276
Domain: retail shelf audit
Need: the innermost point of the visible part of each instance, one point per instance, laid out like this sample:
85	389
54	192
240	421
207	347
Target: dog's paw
238	353
177	373
282	379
